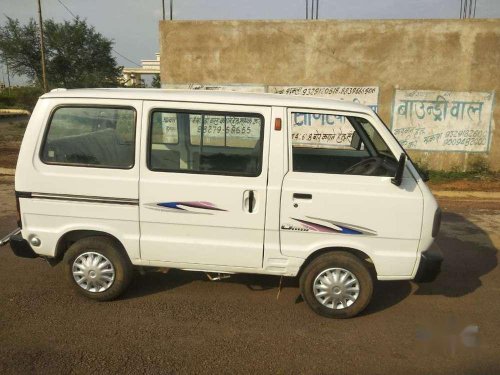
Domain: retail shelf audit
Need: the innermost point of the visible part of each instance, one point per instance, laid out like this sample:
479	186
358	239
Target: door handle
302	196
249	201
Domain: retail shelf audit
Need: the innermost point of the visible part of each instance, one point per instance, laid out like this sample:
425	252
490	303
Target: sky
133	24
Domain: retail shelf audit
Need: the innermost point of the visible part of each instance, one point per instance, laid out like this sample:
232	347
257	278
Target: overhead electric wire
65	7
115	51
126	58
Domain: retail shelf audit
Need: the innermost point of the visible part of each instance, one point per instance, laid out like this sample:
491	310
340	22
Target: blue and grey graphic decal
327	226
193	207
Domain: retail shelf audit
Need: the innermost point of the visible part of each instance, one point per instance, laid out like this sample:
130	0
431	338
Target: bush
479	164
478	169
20	97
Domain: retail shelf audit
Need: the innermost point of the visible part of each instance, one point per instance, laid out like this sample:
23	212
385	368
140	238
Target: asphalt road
180	322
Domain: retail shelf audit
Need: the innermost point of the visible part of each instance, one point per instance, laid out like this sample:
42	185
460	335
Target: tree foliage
76	55
156	82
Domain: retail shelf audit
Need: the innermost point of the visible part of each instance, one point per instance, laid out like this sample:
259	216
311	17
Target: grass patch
477	171
12	131
443	176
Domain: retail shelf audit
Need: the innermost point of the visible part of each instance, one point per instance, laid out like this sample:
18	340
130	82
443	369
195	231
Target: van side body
208	181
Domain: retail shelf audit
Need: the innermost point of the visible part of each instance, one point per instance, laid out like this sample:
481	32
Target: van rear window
91	136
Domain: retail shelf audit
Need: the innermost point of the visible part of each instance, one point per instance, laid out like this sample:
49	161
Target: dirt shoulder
490	184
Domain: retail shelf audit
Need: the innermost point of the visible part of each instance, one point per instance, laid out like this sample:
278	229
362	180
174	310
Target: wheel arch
361	255
72	236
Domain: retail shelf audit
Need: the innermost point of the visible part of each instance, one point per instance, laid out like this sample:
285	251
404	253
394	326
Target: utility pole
42	47
163	7
314	9
171	6
468	9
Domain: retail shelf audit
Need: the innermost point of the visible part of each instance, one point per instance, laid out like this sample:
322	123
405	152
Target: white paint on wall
309	129
235	88
443	120
321	130
367	95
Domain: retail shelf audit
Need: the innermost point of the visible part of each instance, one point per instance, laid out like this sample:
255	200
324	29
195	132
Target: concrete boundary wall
443	56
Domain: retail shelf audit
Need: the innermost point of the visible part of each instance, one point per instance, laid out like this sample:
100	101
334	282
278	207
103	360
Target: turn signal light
277	124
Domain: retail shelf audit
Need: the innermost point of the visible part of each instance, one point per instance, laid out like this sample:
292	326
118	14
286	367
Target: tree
76	55
156	82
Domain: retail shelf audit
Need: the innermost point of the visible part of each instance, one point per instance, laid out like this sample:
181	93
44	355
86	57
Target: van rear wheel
336	285
97	268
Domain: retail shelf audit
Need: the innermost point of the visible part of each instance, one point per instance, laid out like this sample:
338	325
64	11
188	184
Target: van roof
207	96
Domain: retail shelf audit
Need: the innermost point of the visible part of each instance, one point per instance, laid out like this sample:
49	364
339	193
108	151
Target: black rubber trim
79	198
21	248
302	196
430	265
23	194
437	222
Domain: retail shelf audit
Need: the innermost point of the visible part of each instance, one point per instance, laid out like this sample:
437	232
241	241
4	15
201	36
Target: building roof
206	96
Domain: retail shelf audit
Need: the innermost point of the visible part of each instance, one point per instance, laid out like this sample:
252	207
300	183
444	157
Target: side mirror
398	178
424	175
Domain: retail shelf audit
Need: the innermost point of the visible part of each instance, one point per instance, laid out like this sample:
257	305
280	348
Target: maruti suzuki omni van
222	182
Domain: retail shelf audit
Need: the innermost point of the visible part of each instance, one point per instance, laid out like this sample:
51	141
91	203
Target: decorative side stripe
328	226
80	198
192	207
202	205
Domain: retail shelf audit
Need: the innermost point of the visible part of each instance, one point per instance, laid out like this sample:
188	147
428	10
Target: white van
221	182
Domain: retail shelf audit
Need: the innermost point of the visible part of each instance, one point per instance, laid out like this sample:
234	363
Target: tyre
98	268
336	285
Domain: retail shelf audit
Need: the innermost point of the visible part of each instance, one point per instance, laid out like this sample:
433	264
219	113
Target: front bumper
430	264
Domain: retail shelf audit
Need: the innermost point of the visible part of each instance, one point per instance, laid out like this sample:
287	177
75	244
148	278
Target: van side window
91	136
337	144
213	143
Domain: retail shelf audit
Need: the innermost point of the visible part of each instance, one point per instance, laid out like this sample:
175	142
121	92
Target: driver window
337	144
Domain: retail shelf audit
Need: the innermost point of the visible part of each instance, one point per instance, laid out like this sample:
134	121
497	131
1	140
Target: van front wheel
337	285
96	267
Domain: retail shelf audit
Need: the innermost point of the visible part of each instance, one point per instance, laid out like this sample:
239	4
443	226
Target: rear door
203	184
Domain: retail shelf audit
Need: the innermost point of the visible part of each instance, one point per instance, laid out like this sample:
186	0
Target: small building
133	76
